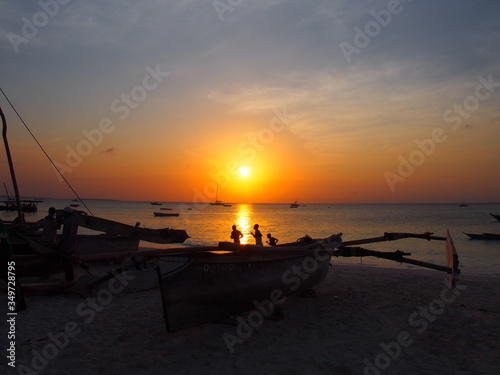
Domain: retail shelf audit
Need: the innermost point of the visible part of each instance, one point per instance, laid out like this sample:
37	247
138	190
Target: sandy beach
364	320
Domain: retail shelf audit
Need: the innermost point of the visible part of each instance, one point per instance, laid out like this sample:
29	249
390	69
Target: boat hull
207	287
162	236
495	216
483	236
165	214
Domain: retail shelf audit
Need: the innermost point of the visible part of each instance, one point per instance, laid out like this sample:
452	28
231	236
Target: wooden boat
211	284
27	205
495	216
98	243
156	213
206	286
483	236
163	236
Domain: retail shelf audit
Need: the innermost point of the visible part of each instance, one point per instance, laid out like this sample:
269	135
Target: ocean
207	225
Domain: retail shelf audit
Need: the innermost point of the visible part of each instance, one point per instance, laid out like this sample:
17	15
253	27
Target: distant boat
464	205
483	236
294	205
26	205
156	213
495	216
156	203
218	202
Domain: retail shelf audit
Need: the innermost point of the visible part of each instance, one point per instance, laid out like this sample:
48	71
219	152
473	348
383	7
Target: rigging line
45	153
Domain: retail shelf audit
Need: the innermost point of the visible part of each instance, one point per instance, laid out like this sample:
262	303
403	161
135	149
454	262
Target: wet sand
364	320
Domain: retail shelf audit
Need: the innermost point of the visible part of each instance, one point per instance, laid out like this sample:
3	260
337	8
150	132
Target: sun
244	171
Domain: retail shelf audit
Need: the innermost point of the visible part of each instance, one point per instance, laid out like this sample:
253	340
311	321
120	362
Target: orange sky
165	105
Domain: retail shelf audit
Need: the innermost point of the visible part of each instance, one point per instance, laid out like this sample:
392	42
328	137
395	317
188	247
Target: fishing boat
156	203
295	205
161	236
219	202
27	205
163	213
205	286
495	216
483	236
209	284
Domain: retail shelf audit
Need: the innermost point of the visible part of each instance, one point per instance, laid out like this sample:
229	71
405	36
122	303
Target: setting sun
244	171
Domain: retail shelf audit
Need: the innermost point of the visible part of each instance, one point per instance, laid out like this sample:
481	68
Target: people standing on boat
50	227
257	235
67	245
271	240
236	235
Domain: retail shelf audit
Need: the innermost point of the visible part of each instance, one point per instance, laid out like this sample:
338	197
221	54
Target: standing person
236	235
257	235
50	227
271	240
67	245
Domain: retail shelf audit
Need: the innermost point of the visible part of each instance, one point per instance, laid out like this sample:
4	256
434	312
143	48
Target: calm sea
207	225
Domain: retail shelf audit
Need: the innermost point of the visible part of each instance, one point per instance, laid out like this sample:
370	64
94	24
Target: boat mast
11	167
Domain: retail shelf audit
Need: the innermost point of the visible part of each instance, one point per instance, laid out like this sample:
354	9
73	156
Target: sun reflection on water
243	221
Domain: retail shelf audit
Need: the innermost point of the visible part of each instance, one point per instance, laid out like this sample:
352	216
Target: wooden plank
452	260
393	237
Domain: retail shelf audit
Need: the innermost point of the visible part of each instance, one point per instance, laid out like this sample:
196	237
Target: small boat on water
295	205
163	213
483	236
27	205
495	216
156	203
219	202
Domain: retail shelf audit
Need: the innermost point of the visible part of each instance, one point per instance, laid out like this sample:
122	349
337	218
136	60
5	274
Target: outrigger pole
11	167
399	256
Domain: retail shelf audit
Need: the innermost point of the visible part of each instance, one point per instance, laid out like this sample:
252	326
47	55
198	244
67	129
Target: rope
45	153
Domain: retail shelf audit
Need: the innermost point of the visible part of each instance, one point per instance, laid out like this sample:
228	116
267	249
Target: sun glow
244	171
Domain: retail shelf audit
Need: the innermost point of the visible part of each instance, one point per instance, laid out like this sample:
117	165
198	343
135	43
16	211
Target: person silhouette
236	235
50	227
271	240
257	235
